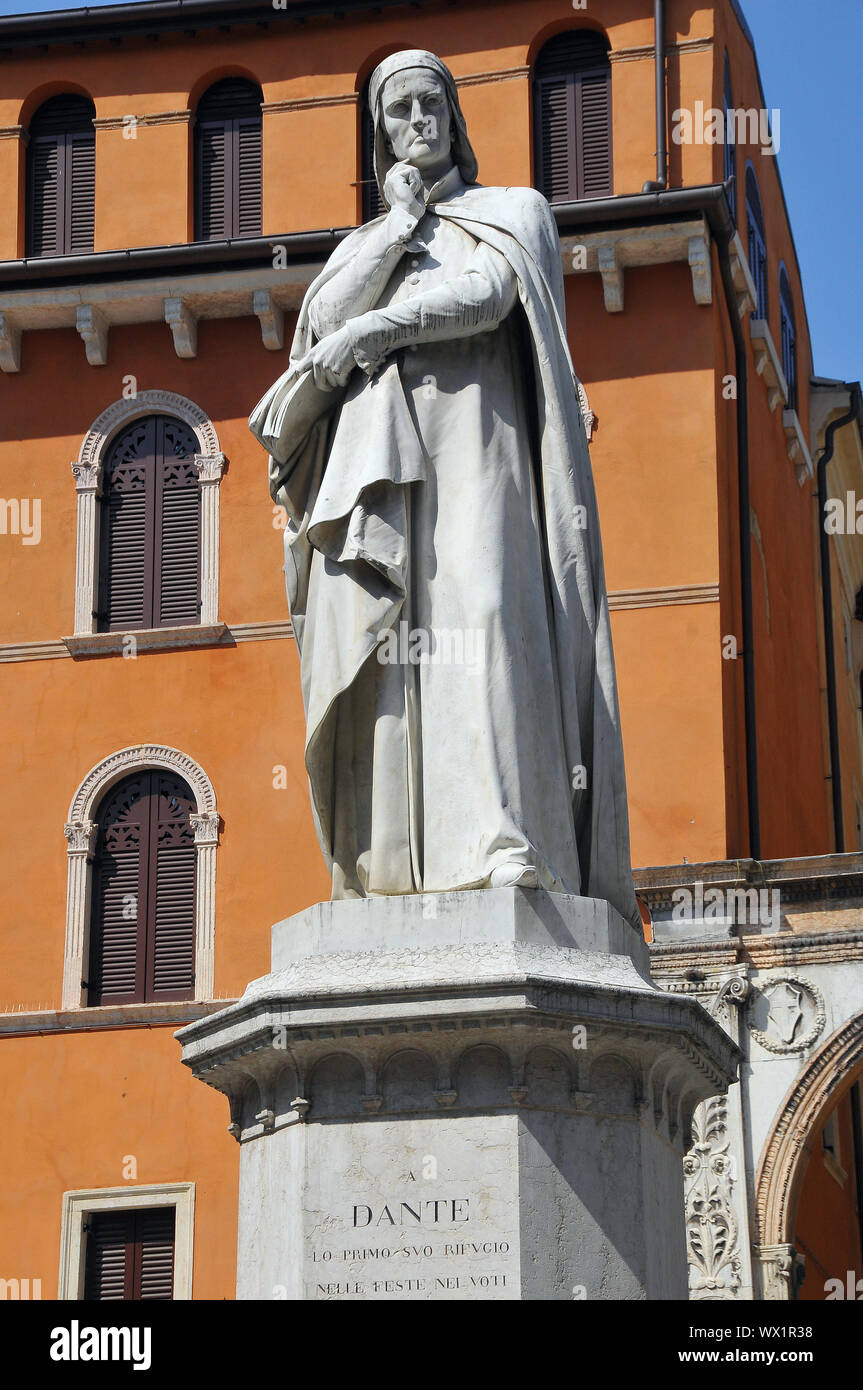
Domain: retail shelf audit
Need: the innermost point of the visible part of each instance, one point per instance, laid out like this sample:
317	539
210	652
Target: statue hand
330	361
403	189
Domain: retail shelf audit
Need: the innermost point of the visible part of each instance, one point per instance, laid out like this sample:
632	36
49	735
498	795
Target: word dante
428	1212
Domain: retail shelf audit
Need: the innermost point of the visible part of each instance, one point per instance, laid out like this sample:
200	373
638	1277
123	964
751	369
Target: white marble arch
80	831
88	467
828	1073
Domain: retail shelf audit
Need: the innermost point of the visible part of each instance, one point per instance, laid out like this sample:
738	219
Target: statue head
417	117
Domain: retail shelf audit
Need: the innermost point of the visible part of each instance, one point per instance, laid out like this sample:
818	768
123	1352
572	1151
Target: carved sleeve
474	302
359	283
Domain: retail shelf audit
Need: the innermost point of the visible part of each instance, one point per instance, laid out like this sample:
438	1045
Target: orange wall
84	1103
828	1231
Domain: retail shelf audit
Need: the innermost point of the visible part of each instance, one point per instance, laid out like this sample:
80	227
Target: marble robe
420	508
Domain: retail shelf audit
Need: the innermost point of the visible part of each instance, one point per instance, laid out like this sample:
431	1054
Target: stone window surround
88	470
78	1205
80	831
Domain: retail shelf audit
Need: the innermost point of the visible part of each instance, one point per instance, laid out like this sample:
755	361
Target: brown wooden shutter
119	916
228	161
130	1255
142	935
248	180
213	197
572	117
150	546
61	178
154	1252
107	1261
127	526
80	207
173	865
372	202
44	227
177	533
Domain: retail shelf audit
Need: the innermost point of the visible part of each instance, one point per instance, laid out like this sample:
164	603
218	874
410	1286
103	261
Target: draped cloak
343	465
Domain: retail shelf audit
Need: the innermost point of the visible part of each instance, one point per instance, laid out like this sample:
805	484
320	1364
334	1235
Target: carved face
417	119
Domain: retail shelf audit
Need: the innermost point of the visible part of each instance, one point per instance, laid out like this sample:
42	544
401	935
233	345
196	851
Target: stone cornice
145	118
761	952
27	1022
638	52
663	597
273	108
233	633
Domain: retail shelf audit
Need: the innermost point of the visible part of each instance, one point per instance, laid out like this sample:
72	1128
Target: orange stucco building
717	623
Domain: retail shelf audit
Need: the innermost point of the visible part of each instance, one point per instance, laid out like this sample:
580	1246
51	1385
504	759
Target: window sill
834	1168
107	1016
149	640
767	363
798	450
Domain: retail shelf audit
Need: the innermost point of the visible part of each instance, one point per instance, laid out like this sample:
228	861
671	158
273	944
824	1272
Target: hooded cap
462	153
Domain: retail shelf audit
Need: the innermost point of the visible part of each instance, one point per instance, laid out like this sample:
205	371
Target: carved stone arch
80	831
821	1084
102	777
88	469
408	1080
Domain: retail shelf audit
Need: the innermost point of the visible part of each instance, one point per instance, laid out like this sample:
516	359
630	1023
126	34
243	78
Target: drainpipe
745	539
661	180
855	412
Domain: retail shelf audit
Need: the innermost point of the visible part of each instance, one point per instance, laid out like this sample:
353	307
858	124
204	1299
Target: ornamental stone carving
711	1226
786	1014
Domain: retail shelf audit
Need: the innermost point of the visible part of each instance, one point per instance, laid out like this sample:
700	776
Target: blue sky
810	61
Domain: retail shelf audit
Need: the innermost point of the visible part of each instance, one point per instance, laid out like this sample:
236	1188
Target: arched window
757	241
729	148
150	534
572	117
61	177
372	202
142	930
228	160
789	336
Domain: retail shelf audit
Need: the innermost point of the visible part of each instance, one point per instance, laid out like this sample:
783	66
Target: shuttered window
228	161
150	544
129	1255
61	178
789	336
372	202
729	148
572	117
142	933
756	242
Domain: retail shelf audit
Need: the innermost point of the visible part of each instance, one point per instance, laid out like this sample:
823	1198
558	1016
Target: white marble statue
443	559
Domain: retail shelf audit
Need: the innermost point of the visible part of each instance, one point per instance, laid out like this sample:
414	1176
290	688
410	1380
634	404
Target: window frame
146	893
729	145
81	829
231	126
756	243
788	353
572	79
80	1203
63	139
88	470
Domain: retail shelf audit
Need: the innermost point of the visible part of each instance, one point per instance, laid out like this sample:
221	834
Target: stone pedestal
471	1095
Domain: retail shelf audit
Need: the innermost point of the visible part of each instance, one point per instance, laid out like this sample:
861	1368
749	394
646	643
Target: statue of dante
442	550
